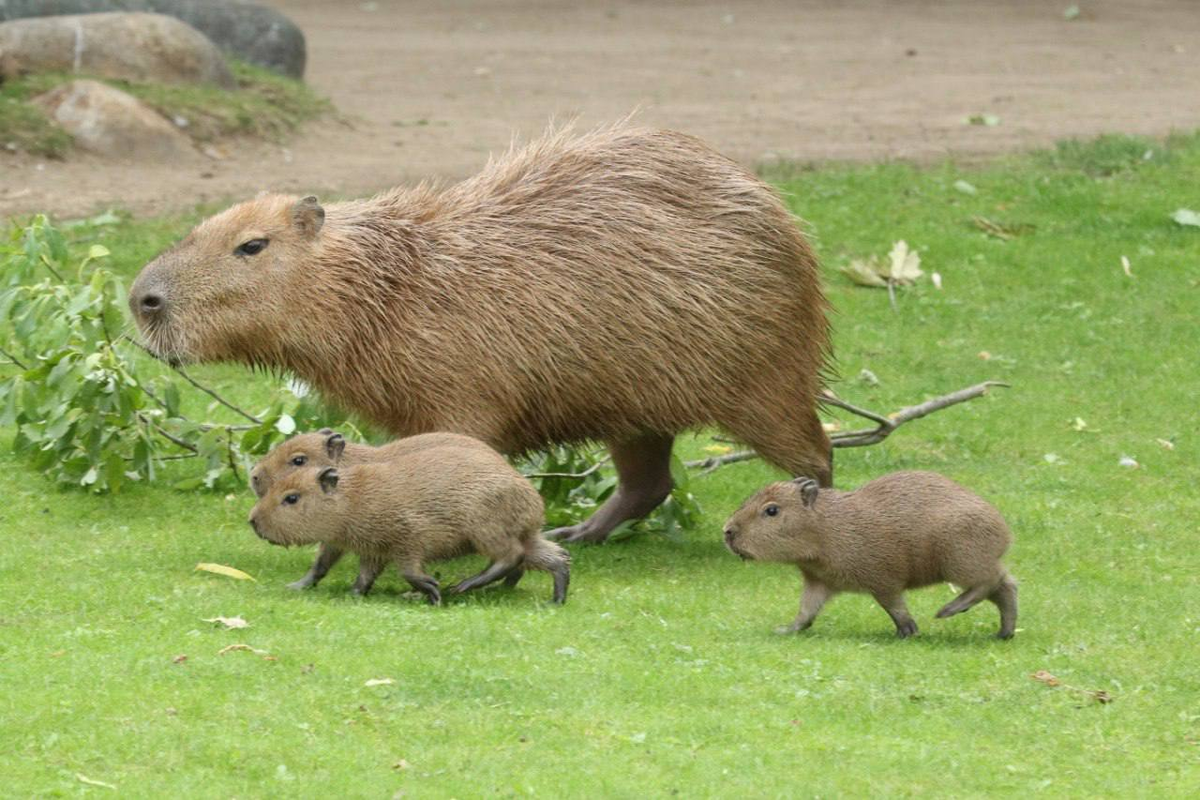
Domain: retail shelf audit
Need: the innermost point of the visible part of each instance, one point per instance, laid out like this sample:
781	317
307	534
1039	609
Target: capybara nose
150	303
729	535
254	524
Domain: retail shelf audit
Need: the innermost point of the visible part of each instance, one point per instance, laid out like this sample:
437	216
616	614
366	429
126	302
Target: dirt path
433	87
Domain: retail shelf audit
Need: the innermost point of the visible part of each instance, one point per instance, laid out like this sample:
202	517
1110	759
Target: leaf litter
1099	695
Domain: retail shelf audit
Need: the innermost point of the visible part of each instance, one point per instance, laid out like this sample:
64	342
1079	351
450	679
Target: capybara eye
291	499
300	461
771	510
251	248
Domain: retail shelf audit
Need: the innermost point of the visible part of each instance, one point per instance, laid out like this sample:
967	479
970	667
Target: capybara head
302	507
226	290
768	525
321	449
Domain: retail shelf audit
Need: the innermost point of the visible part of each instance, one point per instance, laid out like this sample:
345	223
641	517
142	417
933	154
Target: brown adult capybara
327	448
623	286
437	503
902	531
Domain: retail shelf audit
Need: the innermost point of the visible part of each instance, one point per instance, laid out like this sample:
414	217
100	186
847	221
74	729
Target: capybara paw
301	585
1005	635
784	630
906	629
576	534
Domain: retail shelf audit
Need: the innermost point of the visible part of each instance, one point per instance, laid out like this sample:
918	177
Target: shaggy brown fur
623	286
437	503
898	532
326	448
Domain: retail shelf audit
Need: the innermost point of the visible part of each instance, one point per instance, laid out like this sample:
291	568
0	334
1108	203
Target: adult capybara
623	286
327	448
902	531
433	504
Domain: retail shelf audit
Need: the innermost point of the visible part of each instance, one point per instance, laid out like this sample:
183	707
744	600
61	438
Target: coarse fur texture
901	531
432	504
624	285
327	448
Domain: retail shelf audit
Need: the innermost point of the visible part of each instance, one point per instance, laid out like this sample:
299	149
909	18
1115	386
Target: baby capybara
621	286
327	448
433	504
902	531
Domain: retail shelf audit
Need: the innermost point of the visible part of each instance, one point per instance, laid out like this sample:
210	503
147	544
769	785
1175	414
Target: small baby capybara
902	531
433	504
327	448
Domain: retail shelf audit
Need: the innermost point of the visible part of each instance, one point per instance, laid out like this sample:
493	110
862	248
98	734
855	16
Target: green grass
264	105
661	675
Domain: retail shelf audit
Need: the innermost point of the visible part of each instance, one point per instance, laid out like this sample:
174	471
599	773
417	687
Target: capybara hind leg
895	607
966	600
426	584
791	438
490	574
327	556
643	469
812	600
514	577
1005	598
368	571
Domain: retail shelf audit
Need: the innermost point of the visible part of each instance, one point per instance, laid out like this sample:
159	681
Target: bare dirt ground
431	87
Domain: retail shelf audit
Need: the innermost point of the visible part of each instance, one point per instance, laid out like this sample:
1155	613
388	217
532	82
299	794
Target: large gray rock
137	47
247	30
110	122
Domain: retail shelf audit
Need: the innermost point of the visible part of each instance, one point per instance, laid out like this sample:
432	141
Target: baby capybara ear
308	216
808	490
335	443
328	478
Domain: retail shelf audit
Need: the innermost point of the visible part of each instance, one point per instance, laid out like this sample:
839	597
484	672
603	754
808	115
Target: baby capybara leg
812	600
490	574
513	577
426	584
327	556
549	557
967	599
643	467
790	437
1005	598
895	607
368	571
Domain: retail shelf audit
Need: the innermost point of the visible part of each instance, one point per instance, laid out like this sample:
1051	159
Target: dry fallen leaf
1185	216
221	569
1099	695
379	682
1126	266
1079	424
401	764
246	647
1046	678
936	277
985	355
1129	462
179	659
92	782
831	427
865	273
905	264
229	622
1165	444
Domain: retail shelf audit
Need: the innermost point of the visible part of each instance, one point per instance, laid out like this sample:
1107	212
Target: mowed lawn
661	675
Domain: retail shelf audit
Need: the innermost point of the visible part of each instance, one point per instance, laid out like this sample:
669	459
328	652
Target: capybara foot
1004	636
306	582
784	630
577	534
906	628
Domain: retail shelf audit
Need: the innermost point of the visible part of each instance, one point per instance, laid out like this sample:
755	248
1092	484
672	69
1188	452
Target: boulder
110	122
249	31
137	47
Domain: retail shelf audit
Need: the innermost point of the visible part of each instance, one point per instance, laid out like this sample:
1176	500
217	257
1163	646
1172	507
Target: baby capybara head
302	507
767	526
321	449
224	291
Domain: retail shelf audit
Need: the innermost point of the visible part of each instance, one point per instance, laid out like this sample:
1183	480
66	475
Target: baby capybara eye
771	511
251	248
291	499
300	461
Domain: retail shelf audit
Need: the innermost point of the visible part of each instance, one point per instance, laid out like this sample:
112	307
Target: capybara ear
335	443
808	490
308	216
325	431
328	478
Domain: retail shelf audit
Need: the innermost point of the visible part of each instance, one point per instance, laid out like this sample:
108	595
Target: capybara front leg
513	577
643	467
905	625
327	556
812	600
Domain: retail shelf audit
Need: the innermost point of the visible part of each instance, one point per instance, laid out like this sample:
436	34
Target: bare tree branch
866	436
216	396
13	359
583	474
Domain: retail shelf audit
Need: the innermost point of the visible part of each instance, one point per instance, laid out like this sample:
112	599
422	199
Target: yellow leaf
718	449
228	622
905	263
864	273
221	569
